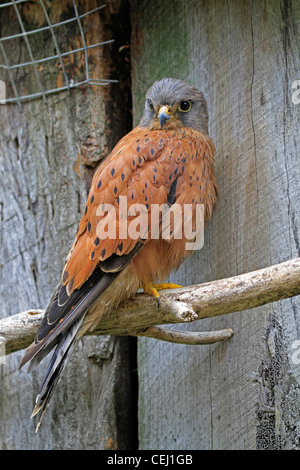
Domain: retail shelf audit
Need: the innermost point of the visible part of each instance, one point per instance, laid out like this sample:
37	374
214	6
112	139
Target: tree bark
48	153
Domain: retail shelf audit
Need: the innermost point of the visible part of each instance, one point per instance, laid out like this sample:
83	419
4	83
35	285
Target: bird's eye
184	106
150	105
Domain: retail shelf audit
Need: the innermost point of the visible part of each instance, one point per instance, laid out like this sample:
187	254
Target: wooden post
245	56
47	155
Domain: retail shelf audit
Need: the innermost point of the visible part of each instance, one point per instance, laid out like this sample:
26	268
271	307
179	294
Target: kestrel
168	160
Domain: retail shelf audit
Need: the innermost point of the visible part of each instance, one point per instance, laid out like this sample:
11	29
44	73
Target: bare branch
19	330
184	337
140	314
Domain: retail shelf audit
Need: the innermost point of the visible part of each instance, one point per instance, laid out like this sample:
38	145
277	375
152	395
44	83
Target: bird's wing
144	167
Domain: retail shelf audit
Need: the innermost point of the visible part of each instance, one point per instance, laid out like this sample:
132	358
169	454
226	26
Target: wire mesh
36	63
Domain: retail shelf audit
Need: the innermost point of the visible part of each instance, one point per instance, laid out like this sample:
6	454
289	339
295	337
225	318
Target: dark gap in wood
118	109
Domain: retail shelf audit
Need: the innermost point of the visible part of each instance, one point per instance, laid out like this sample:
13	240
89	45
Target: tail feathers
59	318
65	346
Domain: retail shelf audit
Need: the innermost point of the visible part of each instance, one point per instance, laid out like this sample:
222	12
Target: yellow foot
152	289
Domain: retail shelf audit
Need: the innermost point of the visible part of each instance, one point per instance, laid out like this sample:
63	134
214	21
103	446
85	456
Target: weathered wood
244	56
138	315
47	156
239	394
180	337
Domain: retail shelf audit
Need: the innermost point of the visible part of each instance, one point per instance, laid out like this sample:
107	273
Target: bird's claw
152	289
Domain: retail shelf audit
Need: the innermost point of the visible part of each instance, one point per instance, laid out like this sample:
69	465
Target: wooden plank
244	56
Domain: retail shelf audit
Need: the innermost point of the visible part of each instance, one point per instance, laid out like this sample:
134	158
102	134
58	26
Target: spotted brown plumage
167	159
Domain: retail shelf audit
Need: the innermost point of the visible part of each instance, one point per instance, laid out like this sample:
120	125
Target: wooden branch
185	337
19	330
138	316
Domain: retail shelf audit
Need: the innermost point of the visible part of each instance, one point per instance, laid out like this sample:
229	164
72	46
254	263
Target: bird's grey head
171	103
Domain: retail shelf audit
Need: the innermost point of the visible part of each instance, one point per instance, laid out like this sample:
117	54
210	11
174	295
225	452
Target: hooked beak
164	114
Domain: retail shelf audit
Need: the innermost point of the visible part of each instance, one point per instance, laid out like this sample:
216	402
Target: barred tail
65	346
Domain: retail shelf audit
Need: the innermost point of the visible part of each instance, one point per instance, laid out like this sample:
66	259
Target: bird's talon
167	285
152	289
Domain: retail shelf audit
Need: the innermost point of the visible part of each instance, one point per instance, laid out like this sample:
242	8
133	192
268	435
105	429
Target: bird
168	159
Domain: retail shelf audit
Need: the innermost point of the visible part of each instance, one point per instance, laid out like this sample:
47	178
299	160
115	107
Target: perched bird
167	159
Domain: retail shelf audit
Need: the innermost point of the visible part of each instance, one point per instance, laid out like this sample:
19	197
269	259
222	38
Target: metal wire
17	99
29	52
46	28
83	42
34	62
55	43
